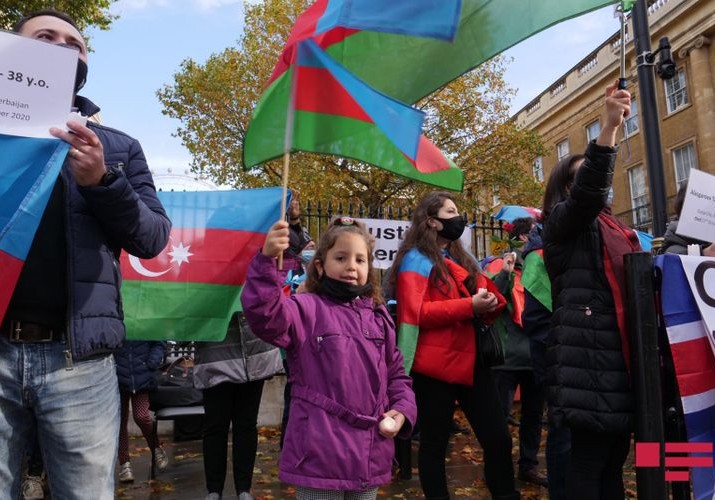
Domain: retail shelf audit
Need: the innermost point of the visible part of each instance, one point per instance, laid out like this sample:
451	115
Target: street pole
645	369
649	111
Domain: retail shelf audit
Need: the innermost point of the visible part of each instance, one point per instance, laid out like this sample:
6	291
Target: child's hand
399	419
484	301
276	239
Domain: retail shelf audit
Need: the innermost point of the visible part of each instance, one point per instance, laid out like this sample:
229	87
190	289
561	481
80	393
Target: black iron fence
317	215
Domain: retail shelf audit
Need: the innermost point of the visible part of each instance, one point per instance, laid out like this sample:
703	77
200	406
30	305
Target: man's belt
25	332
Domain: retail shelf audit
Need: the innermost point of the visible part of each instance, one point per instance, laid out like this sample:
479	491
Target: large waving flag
191	289
336	113
426	17
28	171
409	68
693	355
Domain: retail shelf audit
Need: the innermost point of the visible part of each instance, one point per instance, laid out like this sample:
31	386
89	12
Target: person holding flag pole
65	317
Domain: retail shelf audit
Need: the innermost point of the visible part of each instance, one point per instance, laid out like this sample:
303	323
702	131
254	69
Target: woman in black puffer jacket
587	350
137	363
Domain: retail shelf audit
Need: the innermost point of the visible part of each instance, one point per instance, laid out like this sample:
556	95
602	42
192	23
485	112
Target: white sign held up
697	219
36	85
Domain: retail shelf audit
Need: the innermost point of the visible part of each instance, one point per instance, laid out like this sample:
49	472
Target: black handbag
490	351
175	386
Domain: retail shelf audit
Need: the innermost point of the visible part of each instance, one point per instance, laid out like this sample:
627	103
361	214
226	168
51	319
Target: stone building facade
567	114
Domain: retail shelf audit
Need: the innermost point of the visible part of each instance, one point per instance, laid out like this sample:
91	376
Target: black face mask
339	290
452	228
81	76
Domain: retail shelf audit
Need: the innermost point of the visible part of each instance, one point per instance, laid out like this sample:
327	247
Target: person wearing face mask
57	372
440	292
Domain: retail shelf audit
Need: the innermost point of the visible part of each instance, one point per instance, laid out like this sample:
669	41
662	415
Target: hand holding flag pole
287	145
625	5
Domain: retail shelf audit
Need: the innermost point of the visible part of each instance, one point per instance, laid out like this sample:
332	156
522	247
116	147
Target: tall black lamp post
645	60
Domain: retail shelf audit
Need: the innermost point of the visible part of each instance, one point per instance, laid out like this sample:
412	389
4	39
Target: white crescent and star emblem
179	254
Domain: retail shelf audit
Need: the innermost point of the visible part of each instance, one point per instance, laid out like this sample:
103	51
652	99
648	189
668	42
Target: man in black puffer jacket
64	320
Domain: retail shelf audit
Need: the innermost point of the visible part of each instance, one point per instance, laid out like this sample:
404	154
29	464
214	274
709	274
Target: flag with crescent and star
190	290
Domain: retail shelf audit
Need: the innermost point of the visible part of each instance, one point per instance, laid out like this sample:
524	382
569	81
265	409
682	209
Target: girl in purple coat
350	394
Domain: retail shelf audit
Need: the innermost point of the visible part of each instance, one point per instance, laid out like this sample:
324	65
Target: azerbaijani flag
426	17
191	289
336	113
693	355
29	168
535	278
409	68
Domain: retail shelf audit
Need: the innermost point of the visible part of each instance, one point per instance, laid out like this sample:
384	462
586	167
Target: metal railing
315	217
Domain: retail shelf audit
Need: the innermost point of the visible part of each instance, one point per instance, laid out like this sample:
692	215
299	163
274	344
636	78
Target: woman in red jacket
440	291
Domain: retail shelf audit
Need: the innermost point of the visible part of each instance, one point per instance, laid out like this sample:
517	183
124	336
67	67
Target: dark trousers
236	405
596	469
532	411
558	456
480	403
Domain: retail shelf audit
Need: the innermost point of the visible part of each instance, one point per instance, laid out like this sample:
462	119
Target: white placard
36	85
697	219
700	272
389	235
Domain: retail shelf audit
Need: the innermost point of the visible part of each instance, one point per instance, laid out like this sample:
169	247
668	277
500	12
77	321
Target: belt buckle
16	334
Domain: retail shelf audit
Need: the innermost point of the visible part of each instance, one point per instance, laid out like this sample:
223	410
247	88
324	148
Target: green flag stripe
334	135
536	280
198	311
409	68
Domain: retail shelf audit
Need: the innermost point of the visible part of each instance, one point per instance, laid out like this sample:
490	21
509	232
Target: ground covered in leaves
184	478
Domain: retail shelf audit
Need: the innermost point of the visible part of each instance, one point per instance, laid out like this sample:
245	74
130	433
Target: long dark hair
424	238
342	225
559	183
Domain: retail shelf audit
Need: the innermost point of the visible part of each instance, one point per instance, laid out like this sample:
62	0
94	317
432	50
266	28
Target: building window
592	130
640	203
632	124
537	168
676	91
683	160
562	149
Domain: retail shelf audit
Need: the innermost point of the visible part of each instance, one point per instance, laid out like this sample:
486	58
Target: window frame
680	77
559	156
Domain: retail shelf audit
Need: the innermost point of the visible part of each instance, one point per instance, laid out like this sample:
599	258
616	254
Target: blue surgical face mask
609	198
307	255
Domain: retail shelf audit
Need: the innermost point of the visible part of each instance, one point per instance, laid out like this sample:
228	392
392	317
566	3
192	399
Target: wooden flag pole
287	146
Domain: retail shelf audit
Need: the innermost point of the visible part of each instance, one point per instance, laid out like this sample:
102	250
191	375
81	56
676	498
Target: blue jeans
74	413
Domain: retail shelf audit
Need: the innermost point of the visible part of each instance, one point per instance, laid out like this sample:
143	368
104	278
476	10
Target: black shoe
533	476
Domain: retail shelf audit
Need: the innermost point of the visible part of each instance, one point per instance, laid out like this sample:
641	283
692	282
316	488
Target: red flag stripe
314	84
219	257
11	267
429	158
696	366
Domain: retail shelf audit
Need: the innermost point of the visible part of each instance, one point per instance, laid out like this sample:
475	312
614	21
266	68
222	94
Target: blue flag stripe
28	171
425	18
234	210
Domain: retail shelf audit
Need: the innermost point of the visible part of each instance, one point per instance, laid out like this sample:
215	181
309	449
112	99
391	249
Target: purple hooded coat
346	372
